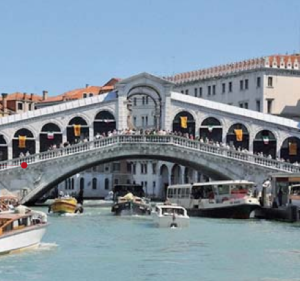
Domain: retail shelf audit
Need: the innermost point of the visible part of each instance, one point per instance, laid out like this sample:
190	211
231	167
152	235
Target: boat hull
130	208
241	211
64	206
170	221
20	240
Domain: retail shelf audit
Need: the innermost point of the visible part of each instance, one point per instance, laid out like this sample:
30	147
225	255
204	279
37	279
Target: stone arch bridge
49	168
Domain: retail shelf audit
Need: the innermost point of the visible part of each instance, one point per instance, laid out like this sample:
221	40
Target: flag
77	130
183	122
50	135
238	134
292	148
22	141
265	139
210	128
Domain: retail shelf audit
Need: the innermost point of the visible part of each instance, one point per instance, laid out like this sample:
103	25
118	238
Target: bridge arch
238	136
23	143
3	148
104	122
164	174
184	122
50	136
77	129
290	149
265	143
211	128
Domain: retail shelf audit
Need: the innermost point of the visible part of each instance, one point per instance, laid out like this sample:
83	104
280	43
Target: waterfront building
269	84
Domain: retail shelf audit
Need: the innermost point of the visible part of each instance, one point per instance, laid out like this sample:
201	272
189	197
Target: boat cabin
121	190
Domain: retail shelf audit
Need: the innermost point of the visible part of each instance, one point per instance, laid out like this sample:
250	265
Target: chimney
45	95
64	98
24	96
87	85
31	96
4	102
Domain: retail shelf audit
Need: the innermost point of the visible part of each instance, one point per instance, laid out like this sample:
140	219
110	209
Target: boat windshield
122	190
171	211
295	190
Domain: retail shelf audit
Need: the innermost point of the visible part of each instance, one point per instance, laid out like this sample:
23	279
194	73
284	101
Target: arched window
23	143
104	122
94	183
211	129
84	95
77	130
91	94
106	184
184	123
82	183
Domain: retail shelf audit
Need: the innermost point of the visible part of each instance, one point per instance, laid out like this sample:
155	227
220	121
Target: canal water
96	245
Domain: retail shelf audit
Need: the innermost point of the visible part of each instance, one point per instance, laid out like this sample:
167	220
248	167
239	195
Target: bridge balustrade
171	139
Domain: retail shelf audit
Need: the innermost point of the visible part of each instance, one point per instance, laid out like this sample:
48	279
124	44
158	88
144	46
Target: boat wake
47	246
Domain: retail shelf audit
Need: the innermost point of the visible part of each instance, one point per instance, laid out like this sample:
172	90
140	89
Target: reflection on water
97	245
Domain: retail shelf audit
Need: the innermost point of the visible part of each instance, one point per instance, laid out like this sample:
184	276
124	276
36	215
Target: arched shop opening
211	129
184	122
290	150
265	143
77	130
104	122
3	149
50	137
176	174
23	143
164	174
238	136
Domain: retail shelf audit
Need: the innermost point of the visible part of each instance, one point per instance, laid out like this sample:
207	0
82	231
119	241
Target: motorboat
129	200
65	204
294	195
170	215
216	199
21	230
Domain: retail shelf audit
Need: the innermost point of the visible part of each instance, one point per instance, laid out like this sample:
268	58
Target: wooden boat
65	205
129	200
22	230
170	215
215	199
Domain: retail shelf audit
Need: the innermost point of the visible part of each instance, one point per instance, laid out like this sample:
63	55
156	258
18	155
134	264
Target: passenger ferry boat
21	230
129	200
170	215
216	199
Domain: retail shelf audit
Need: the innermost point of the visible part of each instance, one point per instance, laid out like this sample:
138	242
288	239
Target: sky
60	45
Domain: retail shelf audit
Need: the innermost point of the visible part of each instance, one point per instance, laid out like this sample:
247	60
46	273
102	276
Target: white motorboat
21	230
168	215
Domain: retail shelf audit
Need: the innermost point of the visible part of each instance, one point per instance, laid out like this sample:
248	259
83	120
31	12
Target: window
186	91
134	120
246	84
214	89
270	81
134	101
147	99
94	183
143	121
106	184
209	90
200	92
246	105
20	106
153	168
128	167
134	168
223	88
84	95
81	183
154	184
230	87
116	167
91	94
128	181
72	187
269	105
146	119
116	181
258	105
182	91
143	100
143	168
241	85
241	105
196	92
258	82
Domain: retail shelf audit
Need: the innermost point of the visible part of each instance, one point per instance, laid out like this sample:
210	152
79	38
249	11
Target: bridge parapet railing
177	140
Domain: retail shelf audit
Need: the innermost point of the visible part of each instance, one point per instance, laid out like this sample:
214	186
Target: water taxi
65	204
129	200
170	215
21	230
216	199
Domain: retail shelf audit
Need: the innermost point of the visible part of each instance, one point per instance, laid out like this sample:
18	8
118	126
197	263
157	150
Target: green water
96	245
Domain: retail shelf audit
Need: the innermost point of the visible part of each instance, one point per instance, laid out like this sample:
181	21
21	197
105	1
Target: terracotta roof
274	61
23	96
